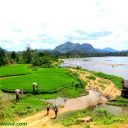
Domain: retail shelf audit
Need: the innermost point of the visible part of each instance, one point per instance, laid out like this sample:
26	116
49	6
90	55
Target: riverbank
117	66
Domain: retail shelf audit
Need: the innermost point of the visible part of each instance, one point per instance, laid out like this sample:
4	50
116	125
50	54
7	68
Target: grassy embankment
11	111
119	101
100	117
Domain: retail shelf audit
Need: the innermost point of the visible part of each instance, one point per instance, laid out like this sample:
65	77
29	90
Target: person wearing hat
18	92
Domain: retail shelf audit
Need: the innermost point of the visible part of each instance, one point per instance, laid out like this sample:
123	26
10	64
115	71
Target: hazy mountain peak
108	49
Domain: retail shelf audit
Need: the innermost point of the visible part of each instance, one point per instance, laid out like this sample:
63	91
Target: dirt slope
105	86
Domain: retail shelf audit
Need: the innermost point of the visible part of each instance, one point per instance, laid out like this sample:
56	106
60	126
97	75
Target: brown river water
94	98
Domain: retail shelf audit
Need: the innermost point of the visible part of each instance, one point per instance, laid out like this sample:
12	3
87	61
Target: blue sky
44	24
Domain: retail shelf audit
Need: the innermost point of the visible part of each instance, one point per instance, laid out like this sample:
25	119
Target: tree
13	55
2	57
27	55
44	61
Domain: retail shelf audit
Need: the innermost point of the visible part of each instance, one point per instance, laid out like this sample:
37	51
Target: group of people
55	109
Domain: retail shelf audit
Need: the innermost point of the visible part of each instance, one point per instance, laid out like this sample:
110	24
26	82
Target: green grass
48	79
120	101
66	92
100	116
26	106
91	77
115	79
15	69
71	92
104	81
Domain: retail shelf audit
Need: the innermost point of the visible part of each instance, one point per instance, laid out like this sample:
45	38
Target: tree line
28	56
47	58
75	54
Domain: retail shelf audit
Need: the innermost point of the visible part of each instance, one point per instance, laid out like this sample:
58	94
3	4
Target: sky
44	24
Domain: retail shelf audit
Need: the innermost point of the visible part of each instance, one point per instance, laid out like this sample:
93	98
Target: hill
107	49
81	48
69	46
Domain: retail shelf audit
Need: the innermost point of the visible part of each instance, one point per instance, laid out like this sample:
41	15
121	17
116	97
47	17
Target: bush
91	77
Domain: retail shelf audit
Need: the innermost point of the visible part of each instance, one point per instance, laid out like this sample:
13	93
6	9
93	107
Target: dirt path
40	120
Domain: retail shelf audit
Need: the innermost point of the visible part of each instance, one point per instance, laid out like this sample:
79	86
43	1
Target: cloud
80	36
100	34
46	24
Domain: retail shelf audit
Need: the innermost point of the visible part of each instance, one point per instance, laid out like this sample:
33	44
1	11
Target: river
111	65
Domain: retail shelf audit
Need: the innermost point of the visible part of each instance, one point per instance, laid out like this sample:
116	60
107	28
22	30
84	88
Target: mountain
85	47
69	47
107	49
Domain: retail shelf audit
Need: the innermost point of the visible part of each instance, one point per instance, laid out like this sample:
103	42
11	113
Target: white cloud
22	21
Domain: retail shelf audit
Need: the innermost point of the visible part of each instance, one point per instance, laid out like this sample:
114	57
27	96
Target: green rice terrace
22	77
15	69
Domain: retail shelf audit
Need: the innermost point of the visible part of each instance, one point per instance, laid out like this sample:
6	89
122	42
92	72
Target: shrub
91	77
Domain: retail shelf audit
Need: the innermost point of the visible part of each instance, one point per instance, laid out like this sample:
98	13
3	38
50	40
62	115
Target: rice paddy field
22	76
15	69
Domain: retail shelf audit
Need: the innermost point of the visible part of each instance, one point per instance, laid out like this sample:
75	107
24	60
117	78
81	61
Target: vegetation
15	69
29	56
81	54
46	58
119	101
27	105
91	77
100	116
115	79
49	80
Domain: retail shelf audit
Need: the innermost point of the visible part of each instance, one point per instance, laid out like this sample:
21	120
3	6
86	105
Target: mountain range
85	47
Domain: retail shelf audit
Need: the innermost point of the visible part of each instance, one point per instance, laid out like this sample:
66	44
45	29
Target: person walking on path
55	109
48	108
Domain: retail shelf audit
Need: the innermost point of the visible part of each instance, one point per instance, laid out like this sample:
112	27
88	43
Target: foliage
100	116
91	77
2	57
115	79
13	55
27	55
120	101
26	106
71	92
44	61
